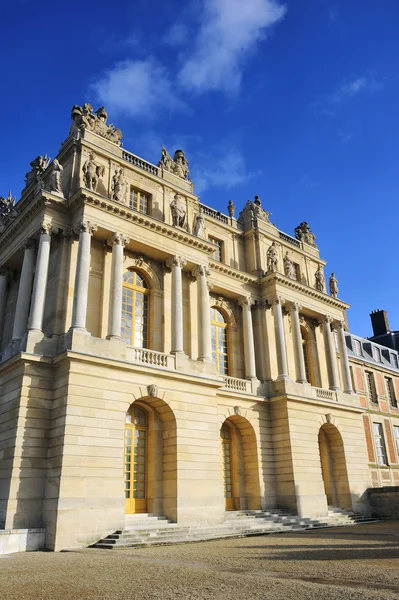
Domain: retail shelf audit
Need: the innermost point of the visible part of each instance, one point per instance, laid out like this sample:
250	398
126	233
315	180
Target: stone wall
385	502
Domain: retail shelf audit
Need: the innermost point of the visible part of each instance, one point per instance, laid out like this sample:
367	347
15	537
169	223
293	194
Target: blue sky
294	101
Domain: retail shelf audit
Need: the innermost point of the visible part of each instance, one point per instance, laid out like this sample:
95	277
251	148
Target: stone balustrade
152	358
236	384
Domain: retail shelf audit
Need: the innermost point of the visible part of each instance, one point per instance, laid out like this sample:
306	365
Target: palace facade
159	356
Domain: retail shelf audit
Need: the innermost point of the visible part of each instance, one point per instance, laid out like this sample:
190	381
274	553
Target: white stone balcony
151	358
238	385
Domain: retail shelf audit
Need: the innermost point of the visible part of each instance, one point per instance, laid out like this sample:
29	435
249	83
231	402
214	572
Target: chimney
379	322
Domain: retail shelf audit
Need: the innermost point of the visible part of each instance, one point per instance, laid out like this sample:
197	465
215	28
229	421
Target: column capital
263	303
30	244
294	306
176	261
47	228
119	239
325	319
85	227
277	300
200	270
247	301
5	271
338	324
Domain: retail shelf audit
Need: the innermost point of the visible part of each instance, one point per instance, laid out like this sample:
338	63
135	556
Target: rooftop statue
7	210
272	258
333	285
55	180
178	165
254	210
35	175
199	224
92	172
319	279
83	117
303	233
289	267
178	210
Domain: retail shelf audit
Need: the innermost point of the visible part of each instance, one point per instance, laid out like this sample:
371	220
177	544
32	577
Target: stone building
159	356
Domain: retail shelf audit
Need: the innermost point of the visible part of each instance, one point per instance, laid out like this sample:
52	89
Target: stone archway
244	465
333	467
160	456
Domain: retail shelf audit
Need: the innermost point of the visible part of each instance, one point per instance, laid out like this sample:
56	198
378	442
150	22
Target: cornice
110	206
235	273
305	290
41	200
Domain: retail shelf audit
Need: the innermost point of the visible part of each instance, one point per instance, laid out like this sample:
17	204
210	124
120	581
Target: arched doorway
333	467
150	459
239	464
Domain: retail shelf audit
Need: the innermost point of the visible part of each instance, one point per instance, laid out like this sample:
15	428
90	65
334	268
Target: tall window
357	347
371	387
219	341
225	437
396	436
139	201
136	430
217	253
391	392
376	353
382	458
306	358
134	310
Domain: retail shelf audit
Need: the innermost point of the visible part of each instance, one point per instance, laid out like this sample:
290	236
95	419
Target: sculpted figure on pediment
92	172
303	233
289	267
178	210
35	175
178	165
319	279
7	206
83	117
333	285
199	224
253	210
272	258
55	179
119	186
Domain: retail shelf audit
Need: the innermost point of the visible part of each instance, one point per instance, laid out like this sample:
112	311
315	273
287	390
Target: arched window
134	310
219	341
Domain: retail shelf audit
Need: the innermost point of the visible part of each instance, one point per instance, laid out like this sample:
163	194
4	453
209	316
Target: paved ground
360	562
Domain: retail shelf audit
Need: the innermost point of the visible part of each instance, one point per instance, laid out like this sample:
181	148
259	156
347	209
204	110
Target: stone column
176	264
330	353
248	334
40	280
343	355
85	230
297	339
204	318
117	241
24	292
4	271
282	363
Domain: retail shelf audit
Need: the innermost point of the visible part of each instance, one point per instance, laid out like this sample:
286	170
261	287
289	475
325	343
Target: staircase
146	529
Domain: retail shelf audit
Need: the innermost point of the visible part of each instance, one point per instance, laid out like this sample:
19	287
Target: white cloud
229	30
137	88
227	171
345	92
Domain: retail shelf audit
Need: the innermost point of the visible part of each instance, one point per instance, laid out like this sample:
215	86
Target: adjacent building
160	356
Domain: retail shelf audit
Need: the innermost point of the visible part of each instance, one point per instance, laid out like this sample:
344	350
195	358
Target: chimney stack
379	322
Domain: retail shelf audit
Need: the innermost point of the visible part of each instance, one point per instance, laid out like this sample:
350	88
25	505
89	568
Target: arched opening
333	467
150	463
239	464
135	295
219	337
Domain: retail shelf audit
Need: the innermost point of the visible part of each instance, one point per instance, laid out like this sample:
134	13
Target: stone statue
253	210
92	172
83	118
6	206
178	210
333	285
272	258
289	267
55	179
319	279
304	234
199	224
178	165
119	186
35	175
231	208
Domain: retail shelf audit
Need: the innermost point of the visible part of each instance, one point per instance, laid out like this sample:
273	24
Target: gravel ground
360	562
